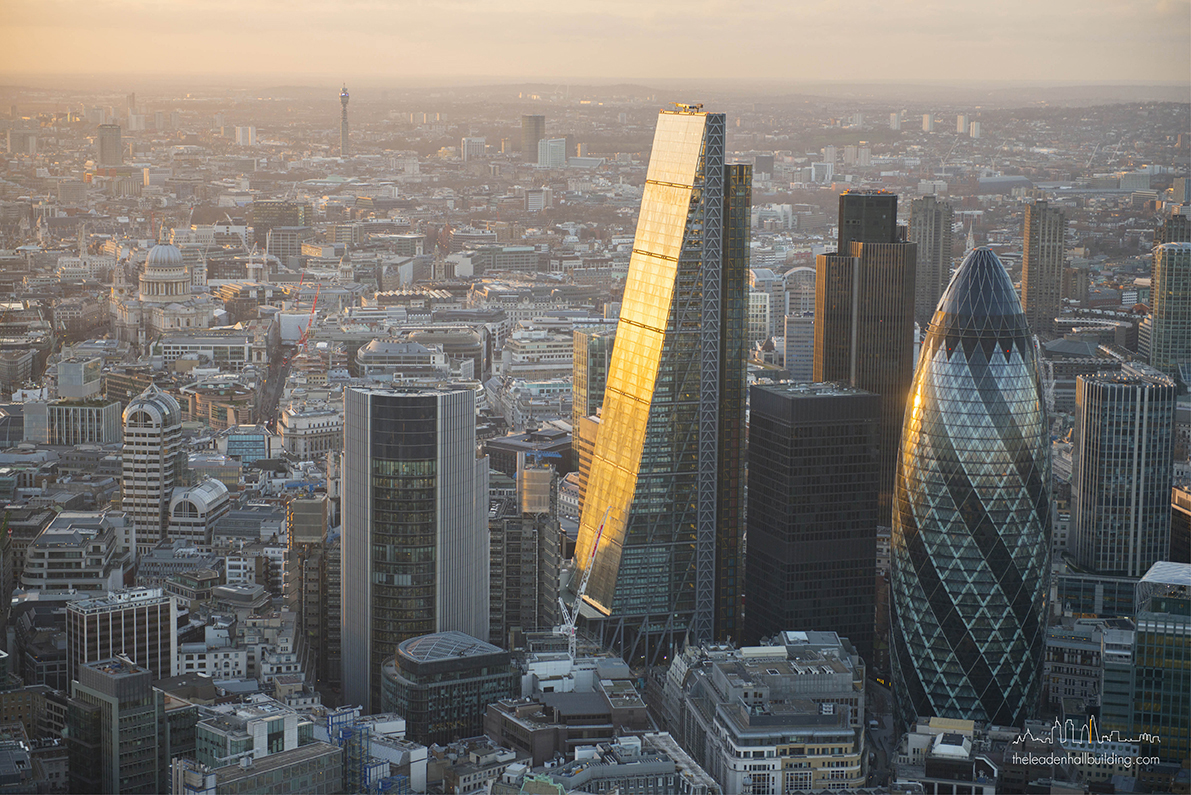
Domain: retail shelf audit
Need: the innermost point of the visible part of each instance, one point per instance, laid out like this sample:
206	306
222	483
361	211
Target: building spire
343	129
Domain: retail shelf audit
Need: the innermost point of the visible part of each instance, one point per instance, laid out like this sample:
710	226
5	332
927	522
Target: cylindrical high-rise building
152	444
533	130
1170	340
1123	470
971	525
415	527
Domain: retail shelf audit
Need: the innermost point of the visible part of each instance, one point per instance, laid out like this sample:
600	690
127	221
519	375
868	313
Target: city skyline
553	437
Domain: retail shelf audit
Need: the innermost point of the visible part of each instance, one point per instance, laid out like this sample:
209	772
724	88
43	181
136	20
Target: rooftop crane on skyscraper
571	616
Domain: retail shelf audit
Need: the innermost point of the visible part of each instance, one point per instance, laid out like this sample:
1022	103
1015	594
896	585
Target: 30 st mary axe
970	548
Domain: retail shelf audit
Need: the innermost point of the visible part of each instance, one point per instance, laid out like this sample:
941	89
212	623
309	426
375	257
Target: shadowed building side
864	318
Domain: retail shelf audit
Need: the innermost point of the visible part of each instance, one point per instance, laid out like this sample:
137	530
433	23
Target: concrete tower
111	148
343	99
1044	242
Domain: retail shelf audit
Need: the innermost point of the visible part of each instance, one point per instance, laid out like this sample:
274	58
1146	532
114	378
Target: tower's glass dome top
980	304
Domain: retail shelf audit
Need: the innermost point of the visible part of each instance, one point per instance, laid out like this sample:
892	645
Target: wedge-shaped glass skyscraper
971	525
668	460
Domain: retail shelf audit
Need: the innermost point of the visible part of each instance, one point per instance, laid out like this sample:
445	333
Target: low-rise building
942	756
310	432
80	551
533	354
315	768
70	422
194	511
404	359
443	682
776	718
255	730
217	655
1073	665
648	764
468	765
228	348
566	703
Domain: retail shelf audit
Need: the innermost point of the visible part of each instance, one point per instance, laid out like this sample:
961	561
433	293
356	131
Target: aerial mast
343	143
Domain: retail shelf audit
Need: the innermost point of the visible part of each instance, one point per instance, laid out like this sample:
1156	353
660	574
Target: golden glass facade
669	453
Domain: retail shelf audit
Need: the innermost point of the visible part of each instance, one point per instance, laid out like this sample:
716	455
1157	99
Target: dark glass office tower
812	512
415	531
1161	691
864	317
866	217
668	459
971	533
533	129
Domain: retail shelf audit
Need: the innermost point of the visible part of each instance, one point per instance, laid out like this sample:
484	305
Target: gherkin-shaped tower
971	522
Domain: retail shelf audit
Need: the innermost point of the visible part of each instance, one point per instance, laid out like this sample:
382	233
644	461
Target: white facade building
152	440
552	152
310	432
536	354
473	149
194	511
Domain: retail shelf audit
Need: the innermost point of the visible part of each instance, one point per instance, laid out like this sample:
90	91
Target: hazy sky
1050	41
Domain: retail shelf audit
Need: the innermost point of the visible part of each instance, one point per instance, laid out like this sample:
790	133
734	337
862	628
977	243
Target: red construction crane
301	346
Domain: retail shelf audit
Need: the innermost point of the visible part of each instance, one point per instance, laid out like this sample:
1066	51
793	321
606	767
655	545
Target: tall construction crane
946	157
569	616
298	291
301	346
309	320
